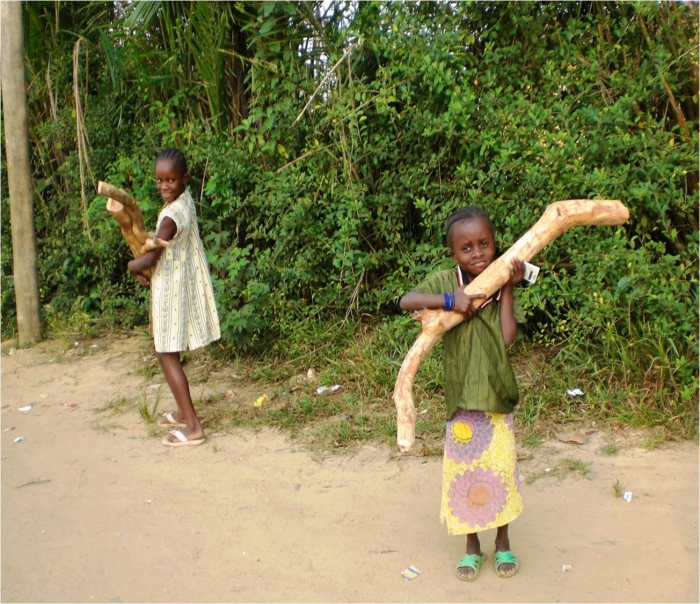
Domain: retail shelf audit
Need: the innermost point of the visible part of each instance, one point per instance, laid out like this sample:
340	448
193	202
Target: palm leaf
140	14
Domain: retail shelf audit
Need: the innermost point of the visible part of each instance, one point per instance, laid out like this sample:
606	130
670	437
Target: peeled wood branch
556	219
130	218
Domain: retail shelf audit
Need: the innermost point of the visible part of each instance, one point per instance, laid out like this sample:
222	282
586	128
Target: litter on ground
322	389
410	573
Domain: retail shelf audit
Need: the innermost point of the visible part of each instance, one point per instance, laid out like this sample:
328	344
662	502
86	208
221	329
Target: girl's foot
170	420
469	565
506	564
180	438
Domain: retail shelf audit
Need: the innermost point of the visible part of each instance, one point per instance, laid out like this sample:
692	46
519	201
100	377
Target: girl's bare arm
418	301
166	231
508	325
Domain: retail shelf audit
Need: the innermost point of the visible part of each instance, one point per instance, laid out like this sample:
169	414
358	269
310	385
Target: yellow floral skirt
480	480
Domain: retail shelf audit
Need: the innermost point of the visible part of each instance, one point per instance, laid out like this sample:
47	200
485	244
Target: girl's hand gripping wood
464	305
145	262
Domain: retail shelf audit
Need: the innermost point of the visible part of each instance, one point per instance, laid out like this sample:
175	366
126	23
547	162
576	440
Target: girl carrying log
182	297
481	486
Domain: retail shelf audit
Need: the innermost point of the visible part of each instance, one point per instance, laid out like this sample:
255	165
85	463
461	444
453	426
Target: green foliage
609	449
327	146
562	469
618	487
149	412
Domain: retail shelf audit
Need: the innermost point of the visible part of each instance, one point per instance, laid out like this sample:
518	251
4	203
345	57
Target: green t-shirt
478	373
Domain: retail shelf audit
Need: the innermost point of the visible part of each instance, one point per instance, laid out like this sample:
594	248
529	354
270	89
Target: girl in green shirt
481	486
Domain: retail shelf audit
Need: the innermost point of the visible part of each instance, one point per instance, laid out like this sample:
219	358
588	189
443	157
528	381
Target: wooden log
120	195
120	201
556	219
130	218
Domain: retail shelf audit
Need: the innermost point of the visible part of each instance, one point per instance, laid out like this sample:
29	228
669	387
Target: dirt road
95	510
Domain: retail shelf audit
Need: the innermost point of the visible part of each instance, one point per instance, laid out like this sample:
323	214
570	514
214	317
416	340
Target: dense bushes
314	210
418	123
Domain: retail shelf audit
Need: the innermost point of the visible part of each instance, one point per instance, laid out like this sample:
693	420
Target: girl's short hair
466	213
177	156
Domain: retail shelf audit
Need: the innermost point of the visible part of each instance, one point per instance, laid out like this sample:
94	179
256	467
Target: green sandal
473	561
506	557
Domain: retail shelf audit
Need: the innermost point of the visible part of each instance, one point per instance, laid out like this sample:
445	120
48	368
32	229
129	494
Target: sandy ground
93	509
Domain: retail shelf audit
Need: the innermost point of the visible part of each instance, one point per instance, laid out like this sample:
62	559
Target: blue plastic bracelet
449	303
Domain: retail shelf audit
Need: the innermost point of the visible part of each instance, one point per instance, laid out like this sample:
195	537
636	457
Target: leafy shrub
314	209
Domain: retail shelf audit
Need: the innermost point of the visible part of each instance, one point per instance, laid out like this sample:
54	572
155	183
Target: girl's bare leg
177	380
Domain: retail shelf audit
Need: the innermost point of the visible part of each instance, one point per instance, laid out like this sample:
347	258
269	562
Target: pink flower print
469	435
477	496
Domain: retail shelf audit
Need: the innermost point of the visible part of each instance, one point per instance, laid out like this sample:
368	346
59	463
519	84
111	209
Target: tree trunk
557	218
19	175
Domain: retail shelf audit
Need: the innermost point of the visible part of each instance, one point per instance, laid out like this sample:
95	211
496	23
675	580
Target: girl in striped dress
481	486
182	297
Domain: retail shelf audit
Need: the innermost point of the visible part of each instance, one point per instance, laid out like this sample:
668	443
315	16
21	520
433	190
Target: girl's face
169	180
473	247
